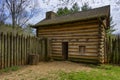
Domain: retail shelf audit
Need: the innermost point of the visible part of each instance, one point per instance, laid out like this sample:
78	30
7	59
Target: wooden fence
14	49
113	49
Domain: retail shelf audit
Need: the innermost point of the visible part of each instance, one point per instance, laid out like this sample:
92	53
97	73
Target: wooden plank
67	26
92	33
83	55
56	52
25	50
11	49
59	49
84	60
22	49
75	37
56	46
17	49
86	52
8	49
28	47
14	51
0	51
77	49
69	30
75	43
56	55
5	50
87	46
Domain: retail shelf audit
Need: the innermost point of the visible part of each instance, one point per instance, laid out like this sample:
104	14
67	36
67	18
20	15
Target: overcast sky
52	5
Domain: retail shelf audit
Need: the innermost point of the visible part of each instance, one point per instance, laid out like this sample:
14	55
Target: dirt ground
42	70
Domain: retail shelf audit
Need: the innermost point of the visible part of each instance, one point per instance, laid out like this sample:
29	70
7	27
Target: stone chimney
50	15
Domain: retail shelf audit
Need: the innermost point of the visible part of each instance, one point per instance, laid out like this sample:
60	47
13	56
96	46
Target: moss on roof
82	15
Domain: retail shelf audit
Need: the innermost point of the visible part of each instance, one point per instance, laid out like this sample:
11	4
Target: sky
53	5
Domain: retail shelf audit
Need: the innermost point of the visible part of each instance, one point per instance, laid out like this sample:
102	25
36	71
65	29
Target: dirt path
43	69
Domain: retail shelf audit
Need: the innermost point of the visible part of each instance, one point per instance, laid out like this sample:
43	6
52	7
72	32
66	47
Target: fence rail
14	49
113	49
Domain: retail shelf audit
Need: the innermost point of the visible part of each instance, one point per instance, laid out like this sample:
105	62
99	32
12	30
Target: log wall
84	33
102	44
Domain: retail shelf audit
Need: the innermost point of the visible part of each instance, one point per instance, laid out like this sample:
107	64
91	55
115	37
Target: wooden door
65	50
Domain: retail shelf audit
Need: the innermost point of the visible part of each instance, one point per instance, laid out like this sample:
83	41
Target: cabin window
81	49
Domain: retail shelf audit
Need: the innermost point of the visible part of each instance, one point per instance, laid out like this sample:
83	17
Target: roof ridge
103	11
83	11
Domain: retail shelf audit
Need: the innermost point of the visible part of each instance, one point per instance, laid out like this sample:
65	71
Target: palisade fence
113	49
15	49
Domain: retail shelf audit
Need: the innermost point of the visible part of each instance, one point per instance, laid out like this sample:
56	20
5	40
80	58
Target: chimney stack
50	15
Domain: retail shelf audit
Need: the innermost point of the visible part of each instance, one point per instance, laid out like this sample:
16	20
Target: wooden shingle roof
82	15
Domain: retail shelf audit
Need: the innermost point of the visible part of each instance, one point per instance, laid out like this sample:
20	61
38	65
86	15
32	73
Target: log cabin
78	36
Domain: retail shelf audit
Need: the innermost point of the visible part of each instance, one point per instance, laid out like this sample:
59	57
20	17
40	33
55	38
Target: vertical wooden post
40	48
45	48
17	43
25	50
11	49
0	51
22	49
19	52
14	50
8	49
5	50
48	49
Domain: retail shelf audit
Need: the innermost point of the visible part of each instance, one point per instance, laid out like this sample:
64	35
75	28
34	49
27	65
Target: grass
103	72
13	68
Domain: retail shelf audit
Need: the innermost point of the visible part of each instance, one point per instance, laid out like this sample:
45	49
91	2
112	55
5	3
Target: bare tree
3	16
21	11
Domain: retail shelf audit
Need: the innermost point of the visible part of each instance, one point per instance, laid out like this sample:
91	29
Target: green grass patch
103	72
14	68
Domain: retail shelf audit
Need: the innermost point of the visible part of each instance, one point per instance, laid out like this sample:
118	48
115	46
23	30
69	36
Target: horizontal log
77	48
87	46
59	55
69	30
57	49
66	27
83	57
77	52
78	40
77	37
56	52
56	46
78	57
95	61
74	41
55	43
72	36
86	51
83	44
